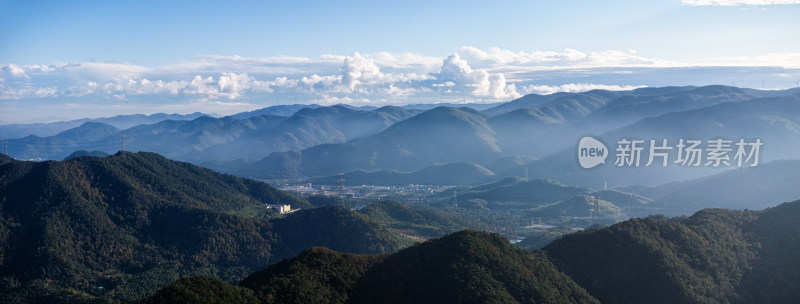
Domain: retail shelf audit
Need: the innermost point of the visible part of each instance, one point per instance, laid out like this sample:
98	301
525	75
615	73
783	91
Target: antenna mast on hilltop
595	208
123	144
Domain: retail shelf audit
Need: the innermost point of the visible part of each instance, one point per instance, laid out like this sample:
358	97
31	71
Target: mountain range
534	136
207	138
119	122
774	121
548	129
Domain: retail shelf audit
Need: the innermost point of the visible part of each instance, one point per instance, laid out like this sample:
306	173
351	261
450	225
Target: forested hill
463	267
120	227
714	256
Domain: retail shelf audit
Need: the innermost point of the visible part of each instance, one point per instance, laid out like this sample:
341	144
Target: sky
71	59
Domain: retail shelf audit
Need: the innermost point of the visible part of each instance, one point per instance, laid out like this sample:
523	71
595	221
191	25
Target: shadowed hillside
122	226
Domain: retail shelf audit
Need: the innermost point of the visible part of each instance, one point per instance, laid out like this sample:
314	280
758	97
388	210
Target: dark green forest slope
714	256
463	267
121	227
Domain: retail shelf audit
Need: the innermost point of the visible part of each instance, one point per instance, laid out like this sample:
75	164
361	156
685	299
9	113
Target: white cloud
13	71
446	84
379	78
400	92
576	87
100	71
738	2
312	81
499	59
27	91
357	70
457	71
787	60
498	55
406	61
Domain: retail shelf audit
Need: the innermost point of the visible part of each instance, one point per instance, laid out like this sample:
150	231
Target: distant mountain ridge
775	121
535	126
120	122
435	136
207	138
438	174
320	141
279	110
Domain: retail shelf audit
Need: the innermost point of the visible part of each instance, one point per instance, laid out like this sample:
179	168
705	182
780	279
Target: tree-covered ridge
417	221
123	226
466	267
318	275
5	159
202	289
463	267
714	256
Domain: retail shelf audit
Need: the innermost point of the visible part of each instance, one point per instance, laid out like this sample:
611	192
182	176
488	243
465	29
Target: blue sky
67	59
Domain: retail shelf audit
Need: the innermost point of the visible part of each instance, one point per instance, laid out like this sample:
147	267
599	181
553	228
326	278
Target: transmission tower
341	185
123	144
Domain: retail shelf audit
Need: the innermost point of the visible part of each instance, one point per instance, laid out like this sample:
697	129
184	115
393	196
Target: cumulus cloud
577	87
27	92
315	82
455	71
358	70
737	2
14	72
406	61
492	74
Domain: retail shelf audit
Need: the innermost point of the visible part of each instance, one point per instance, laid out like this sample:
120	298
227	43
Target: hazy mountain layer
207	138
435	136
775	121
439	174
120	122
747	188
